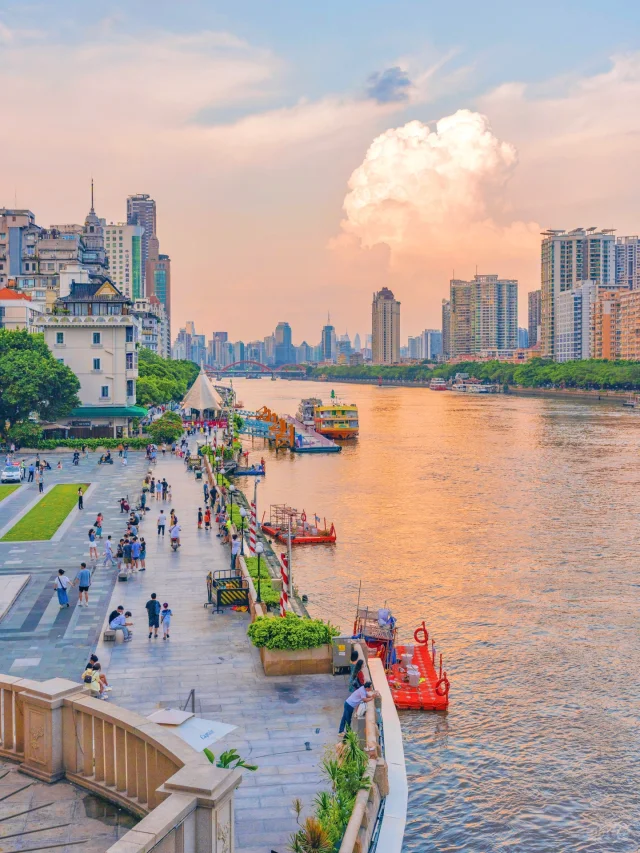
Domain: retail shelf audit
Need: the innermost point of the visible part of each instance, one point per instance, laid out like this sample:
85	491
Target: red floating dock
431	694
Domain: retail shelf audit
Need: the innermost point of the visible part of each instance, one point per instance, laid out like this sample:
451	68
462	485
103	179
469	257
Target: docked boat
307	411
631	402
438	385
284	518
473	386
337	420
252	471
415	678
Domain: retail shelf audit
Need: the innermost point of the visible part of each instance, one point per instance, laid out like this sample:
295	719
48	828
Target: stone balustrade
54	730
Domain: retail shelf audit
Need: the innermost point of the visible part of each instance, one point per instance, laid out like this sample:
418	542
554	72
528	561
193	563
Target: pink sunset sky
280	198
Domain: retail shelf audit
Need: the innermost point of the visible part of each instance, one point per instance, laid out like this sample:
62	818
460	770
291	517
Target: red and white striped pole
253	523
284	595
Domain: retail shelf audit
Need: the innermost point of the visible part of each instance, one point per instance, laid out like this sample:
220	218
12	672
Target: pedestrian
207	519
108	551
93	549
40	481
200	517
165	488
120	554
32	471
235	549
124	460
169	492
80	498
205	489
23	469
135	552
357	677
362	694
163	448
143	554
98	521
83	579
120	449
158	490
123	503
162	520
166	620
153	611
99	530
61	585
126	555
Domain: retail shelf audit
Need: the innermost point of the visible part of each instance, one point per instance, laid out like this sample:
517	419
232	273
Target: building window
104	392
129	331
131	388
129	361
59	337
96	364
96	338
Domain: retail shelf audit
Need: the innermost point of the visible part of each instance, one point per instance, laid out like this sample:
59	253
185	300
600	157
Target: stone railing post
43	730
213	789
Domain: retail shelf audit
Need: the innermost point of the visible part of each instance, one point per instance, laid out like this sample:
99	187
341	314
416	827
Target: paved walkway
276	718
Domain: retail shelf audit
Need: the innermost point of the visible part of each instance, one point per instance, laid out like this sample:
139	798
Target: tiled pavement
275	717
37	639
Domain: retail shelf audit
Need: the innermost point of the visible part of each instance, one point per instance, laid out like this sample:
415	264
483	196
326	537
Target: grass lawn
47	515
7	488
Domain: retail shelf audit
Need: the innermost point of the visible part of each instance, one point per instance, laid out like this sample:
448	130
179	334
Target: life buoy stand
442	687
422	629
303	517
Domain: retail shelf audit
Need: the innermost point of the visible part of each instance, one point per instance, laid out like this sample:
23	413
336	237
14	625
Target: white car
10	474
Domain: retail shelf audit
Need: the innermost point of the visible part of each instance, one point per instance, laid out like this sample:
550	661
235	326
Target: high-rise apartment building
523	338
157	276
414	345
574	320
534	305
141	210
446	329
484	315
431	344
568	257
123	246
628	263
628	325
385	328
605	335
19	236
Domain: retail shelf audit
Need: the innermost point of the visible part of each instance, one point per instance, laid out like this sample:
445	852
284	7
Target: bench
109	636
123	576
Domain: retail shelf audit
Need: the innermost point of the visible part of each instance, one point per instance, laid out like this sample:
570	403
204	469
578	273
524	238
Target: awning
193	730
90	412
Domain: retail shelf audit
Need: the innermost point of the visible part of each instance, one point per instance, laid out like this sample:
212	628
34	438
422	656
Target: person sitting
98	685
108	460
88	670
44	464
119	623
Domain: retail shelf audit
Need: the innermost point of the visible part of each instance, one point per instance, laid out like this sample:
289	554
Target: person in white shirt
362	694
61	585
162	520
235	549
108	552
174	533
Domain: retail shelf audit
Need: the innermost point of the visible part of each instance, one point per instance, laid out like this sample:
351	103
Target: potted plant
292	645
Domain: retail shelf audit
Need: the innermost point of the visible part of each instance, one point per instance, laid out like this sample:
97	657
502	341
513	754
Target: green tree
165	429
32	380
161	380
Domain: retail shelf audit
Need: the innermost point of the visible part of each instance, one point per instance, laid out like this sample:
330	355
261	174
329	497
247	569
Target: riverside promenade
283	724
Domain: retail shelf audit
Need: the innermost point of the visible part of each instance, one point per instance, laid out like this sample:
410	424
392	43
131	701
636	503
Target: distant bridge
247	367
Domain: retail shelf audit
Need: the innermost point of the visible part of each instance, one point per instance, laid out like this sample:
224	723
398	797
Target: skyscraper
328	342
567	258
385	327
628	263
357	346
574	320
446	329
124	250
484	315
141	210
285	353
534	304
158	275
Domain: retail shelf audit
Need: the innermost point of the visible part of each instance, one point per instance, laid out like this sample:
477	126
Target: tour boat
631	402
307	410
438	385
414	679
282	518
337	420
474	386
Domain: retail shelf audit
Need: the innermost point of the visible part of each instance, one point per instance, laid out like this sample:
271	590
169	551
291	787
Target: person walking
126	555
205	489
61	585
162	520
32	471
135	552
165	488
235	550
362	694
40	481
99	528
23	469
207	519
93	548
80	498
143	554
158	490
83	579
200	518
119	554
108	552
166	620
153	611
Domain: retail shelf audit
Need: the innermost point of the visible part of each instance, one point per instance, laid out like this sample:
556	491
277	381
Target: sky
304	155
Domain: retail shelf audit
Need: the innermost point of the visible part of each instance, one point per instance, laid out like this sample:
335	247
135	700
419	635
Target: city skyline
261	149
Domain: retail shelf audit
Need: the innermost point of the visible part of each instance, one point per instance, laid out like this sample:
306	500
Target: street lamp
243	515
232	489
259	550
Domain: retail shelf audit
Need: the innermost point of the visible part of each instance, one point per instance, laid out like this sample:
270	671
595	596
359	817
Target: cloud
389	86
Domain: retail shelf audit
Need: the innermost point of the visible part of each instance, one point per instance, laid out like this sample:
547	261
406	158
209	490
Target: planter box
299	662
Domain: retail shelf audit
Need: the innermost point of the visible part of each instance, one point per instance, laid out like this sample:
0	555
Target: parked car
10	474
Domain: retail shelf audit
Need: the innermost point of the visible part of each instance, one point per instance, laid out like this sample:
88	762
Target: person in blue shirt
83	579
135	552
119	623
166	620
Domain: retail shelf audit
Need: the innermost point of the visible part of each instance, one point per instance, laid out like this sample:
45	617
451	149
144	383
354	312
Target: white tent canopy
202	396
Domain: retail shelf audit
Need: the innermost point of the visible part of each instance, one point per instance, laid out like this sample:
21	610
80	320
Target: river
510	525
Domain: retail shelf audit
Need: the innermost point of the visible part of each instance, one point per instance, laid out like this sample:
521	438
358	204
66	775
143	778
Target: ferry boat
303	532
337	420
307	410
438	385
470	385
416	679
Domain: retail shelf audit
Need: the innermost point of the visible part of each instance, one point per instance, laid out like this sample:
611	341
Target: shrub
165	428
91	443
291	632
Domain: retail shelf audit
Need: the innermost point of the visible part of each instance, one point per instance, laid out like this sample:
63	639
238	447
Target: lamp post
232	489
243	515
259	550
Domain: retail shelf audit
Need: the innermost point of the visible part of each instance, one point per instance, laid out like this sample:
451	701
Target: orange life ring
422	628
303	516
444	683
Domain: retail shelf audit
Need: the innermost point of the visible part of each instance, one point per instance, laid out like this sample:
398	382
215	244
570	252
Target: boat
282	518
253	471
337	420
631	402
307	409
438	385
415	680
473	386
